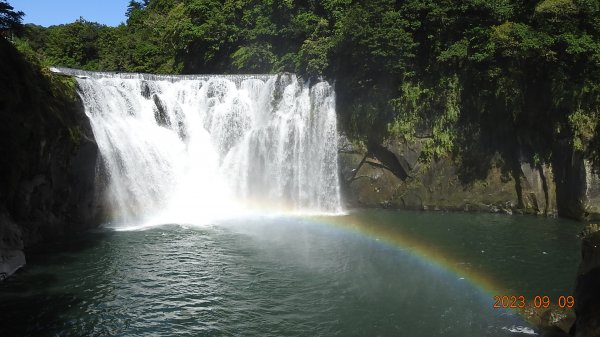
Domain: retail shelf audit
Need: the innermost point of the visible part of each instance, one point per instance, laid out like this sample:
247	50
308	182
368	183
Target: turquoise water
292	276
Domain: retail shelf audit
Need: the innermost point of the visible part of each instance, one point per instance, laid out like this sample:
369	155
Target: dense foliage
470	78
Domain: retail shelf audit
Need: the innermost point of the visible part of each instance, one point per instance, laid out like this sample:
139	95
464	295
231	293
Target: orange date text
519	302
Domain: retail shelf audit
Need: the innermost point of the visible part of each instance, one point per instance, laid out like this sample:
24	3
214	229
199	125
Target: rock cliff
48	164
391	175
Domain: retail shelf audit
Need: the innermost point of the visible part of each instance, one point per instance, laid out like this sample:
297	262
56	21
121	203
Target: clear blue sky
55	12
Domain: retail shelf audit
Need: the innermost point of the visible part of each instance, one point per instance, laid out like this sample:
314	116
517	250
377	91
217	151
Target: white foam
520	329
198	149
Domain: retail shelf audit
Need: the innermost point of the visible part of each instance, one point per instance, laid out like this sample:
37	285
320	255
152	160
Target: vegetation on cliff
473	78
48	154
470	79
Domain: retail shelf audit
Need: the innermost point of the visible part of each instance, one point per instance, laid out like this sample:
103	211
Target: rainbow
428	254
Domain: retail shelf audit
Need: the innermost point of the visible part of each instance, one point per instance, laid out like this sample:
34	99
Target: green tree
74	45
471	79
9	18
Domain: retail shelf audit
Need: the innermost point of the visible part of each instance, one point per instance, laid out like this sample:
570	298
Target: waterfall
196	147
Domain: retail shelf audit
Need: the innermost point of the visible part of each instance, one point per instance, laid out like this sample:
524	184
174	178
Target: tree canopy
470	78
9	18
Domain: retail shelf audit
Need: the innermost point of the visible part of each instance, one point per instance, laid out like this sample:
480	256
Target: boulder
11	246
160	113
587	290
10	262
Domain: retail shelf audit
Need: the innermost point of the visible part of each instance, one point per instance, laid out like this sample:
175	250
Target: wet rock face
11	246
145	90
11	237
49	157
391	176
55	193
577	186
10	262
587	291
160	114
552	321
592	194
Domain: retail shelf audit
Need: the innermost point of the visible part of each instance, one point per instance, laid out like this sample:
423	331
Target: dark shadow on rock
569	176
587	291
587	304
48	151
388	160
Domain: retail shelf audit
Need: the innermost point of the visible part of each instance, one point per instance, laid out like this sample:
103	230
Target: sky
55	12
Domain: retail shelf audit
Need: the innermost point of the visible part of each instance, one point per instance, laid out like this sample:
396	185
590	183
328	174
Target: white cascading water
194	148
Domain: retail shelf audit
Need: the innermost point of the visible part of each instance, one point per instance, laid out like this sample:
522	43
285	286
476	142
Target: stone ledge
10	262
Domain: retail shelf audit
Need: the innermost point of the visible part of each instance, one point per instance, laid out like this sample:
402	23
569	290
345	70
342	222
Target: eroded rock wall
49	156
577	185
368	180
592	193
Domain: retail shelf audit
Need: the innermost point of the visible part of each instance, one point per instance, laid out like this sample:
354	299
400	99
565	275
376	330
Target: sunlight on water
268	275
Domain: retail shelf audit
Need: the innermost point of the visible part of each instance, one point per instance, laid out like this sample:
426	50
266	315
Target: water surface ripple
273	276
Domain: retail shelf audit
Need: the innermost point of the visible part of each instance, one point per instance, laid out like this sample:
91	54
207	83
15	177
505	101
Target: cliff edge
49	155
